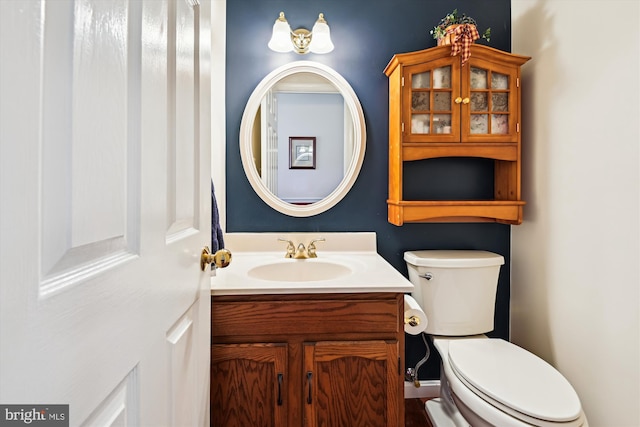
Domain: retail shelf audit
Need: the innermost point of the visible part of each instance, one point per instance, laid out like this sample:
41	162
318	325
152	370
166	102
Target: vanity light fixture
302	41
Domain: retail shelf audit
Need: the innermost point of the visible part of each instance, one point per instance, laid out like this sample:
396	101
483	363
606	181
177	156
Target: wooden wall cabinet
439	107
307	360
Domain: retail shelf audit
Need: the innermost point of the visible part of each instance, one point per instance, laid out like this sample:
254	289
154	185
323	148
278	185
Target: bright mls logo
34	415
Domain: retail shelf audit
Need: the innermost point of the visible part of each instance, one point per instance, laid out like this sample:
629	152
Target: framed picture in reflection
302	152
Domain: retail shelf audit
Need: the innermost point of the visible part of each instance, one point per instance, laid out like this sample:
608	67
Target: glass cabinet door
431	110
444	102
489	102
491	99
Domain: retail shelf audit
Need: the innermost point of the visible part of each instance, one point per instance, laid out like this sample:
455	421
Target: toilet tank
456	289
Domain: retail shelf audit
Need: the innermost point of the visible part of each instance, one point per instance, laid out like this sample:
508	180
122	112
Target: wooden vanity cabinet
439	107
307	360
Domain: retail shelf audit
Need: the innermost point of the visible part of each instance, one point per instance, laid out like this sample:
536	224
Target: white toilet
484	381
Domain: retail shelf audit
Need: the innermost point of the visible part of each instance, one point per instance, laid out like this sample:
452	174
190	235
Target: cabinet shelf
407	211
419	151
439	107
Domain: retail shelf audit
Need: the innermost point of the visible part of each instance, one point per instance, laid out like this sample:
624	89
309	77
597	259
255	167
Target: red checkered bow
462	37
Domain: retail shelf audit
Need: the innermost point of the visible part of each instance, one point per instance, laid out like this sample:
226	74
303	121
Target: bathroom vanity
307	359
308	352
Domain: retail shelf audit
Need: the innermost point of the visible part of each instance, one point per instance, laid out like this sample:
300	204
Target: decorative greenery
454	18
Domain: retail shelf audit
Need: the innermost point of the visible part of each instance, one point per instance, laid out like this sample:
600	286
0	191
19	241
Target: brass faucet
301	252
291	249
311	250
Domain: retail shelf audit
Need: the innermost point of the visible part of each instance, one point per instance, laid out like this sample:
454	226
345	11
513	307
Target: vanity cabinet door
352	383
248	385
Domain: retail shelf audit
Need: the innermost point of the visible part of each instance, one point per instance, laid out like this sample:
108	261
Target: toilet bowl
495	383
484	381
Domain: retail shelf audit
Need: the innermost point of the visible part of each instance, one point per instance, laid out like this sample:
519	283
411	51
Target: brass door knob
466	101
221	258
458	100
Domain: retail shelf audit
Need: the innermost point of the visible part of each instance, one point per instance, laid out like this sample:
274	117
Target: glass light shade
321	37
281	36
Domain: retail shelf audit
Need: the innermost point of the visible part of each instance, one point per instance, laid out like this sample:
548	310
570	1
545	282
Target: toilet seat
495	370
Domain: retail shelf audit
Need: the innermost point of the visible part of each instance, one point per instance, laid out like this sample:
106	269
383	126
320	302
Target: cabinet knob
466	101
458	100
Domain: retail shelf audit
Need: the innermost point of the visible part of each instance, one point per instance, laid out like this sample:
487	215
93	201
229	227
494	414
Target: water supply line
412	373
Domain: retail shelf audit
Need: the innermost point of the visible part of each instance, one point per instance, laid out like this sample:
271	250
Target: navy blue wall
366	35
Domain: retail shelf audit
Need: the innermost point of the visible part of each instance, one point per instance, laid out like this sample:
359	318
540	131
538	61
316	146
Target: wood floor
415	414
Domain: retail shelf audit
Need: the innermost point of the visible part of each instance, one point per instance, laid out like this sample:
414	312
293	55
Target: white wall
320	115
218	116
575	259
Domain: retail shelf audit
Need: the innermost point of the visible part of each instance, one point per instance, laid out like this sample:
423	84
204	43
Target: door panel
104	158
120	408
90	142
183	368
182	122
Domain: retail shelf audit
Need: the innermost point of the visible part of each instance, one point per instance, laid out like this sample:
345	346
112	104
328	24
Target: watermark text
34	415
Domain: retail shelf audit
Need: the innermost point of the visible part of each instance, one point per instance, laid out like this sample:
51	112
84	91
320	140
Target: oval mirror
302	138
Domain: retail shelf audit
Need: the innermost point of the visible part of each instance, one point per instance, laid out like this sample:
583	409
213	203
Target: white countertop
369	272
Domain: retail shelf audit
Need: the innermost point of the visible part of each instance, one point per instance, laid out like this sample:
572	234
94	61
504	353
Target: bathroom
568	291
525	309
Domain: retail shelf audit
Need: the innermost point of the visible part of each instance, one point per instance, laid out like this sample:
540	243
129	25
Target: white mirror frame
359	144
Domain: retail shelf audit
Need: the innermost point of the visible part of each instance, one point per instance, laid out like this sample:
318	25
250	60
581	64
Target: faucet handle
311	249
291	249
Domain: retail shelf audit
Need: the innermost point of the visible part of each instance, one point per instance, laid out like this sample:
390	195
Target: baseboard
428	389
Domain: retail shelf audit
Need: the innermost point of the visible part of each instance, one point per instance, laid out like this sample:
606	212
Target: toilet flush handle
427	276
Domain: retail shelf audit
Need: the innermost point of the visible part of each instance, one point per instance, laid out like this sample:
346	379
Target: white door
105	207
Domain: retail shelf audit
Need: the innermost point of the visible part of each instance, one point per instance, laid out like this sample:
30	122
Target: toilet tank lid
453	258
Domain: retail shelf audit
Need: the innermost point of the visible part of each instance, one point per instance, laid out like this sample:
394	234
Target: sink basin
299	271
346	263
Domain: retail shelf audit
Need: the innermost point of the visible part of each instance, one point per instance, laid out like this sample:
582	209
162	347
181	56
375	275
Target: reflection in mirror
302	105
302	101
